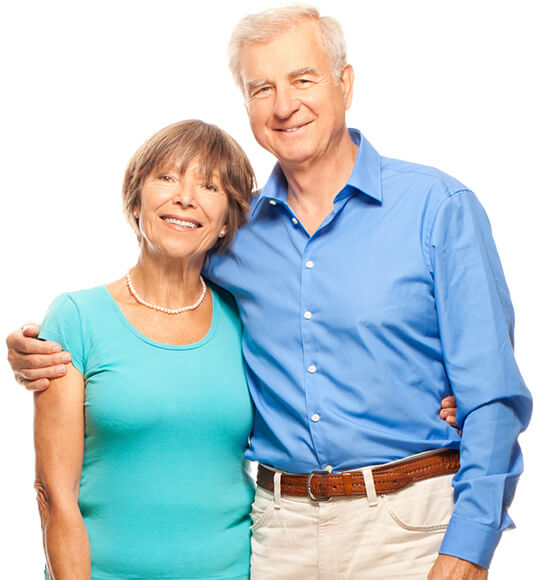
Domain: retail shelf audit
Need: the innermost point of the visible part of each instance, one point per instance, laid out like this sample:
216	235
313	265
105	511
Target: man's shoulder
418	179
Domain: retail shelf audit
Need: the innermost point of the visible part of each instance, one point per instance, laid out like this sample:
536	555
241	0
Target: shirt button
315	417
307	315
272	202
294	221
309	264
312	369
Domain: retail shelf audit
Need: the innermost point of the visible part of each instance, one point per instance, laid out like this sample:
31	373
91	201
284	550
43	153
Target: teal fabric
163	489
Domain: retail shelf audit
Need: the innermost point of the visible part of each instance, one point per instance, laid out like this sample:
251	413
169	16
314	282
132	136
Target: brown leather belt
322	485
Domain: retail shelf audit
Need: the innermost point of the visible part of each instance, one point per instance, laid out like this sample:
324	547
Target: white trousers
395	535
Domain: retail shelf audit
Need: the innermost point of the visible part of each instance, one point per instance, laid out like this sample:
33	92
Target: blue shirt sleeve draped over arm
476	328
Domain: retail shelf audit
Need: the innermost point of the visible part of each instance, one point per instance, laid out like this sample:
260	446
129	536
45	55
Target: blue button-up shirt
352	336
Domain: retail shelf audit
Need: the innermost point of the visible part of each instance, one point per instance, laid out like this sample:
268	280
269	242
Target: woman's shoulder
227	313
82	299
69	319
226	299
77	306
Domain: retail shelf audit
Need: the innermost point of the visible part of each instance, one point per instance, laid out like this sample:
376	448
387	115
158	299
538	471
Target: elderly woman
139	447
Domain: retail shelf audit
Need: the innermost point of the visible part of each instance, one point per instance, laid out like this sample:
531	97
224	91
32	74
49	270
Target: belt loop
277	490
371	493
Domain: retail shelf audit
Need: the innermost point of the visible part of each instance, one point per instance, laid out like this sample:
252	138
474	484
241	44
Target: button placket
308	324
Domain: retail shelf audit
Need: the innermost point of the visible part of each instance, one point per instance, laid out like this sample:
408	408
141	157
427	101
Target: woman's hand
448	411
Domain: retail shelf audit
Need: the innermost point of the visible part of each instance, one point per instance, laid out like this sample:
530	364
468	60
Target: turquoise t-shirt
164	493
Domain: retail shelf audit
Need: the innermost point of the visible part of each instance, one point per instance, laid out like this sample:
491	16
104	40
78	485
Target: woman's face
182	216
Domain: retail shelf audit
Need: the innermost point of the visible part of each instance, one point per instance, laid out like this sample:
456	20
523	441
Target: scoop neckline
137	333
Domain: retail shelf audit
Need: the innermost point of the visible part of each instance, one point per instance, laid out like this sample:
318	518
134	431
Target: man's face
295	106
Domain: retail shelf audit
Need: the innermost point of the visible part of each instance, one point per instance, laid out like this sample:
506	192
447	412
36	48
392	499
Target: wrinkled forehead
297	48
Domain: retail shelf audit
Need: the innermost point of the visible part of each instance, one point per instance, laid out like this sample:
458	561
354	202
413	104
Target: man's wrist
470	541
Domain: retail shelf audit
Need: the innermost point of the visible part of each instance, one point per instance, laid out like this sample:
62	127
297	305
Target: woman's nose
185	197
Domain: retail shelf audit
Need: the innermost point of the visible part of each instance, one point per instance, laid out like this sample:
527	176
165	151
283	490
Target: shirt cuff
470	541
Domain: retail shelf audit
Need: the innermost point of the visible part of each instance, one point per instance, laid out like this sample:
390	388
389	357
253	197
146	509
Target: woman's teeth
181	223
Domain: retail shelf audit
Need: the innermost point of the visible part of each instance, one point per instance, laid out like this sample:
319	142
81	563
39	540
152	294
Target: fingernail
60	369
66	357
57	348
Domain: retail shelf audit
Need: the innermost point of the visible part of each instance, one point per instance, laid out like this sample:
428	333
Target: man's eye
302	81
261	91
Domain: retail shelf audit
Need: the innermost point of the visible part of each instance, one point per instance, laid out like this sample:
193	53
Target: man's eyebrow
251	85
307	70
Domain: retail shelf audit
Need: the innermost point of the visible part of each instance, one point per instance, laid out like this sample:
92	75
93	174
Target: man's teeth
177	222
291	130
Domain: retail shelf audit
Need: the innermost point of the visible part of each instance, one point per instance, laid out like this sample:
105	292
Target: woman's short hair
216	151
266	26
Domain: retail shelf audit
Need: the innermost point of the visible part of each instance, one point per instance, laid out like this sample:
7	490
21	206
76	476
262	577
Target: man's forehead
296	49
259	71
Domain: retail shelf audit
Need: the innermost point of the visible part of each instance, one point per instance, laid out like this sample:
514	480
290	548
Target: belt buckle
310	493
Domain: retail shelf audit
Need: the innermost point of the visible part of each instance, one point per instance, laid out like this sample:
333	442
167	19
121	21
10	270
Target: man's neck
313	185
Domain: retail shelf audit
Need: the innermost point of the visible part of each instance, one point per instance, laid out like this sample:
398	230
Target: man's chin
293	155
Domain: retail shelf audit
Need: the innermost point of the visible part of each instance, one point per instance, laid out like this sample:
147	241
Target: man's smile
292	129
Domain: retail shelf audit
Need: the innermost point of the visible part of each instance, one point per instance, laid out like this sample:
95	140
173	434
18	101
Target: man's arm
476	327
450	568
35	362
59	443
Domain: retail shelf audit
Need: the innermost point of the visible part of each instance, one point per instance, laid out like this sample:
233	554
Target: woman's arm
59	444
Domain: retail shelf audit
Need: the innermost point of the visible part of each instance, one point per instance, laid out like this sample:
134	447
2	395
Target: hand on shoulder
34	361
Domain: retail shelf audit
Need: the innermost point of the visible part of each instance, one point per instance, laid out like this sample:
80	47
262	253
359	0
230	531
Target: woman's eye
166	178
210	187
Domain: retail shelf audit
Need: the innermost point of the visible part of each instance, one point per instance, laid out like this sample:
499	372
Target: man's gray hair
266	26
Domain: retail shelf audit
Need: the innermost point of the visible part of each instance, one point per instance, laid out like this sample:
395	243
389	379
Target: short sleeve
62	324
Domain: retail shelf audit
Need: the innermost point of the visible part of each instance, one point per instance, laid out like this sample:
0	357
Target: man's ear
346	82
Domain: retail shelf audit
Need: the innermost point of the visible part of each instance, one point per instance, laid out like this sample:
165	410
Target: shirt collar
365	177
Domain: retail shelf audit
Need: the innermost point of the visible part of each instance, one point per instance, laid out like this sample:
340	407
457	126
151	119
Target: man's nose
285	103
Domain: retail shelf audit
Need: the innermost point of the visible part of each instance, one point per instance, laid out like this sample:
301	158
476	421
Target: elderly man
366	285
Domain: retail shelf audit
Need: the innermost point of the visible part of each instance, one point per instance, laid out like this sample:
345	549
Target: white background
450	84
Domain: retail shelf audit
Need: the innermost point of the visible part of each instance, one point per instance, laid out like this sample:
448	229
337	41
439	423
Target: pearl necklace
162	308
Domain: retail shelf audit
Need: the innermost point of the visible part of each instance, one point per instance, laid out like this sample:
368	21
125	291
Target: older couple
368	290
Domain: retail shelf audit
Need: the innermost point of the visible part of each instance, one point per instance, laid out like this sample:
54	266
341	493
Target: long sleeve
476	328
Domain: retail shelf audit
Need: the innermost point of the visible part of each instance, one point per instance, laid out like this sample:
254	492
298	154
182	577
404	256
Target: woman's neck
165	281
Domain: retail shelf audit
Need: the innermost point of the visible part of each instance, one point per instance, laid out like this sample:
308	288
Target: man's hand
451	568
35	361
448	411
